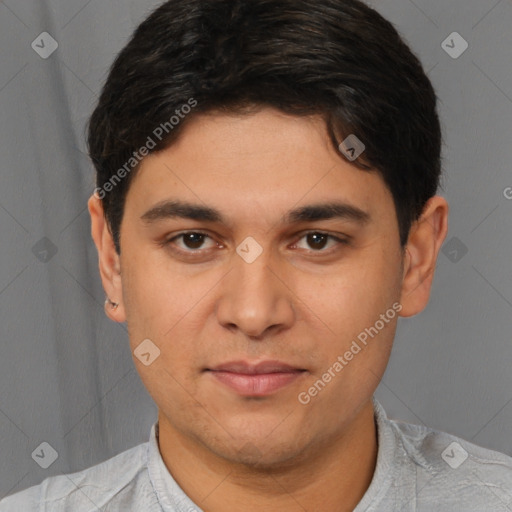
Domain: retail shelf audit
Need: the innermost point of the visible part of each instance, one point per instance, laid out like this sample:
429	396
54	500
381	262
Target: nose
255	298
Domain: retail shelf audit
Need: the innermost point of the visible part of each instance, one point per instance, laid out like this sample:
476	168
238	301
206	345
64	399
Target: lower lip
256	385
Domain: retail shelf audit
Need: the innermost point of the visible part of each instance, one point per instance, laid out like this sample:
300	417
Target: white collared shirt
418	470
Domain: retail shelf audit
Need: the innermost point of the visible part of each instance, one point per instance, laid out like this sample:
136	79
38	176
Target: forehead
263	163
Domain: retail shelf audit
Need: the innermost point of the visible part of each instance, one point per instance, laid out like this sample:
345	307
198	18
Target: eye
192	241
318	239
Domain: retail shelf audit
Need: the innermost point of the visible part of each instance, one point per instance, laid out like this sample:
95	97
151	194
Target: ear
109	260
425	239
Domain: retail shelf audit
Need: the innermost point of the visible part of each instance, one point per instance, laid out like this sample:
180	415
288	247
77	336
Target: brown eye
317	241
193	240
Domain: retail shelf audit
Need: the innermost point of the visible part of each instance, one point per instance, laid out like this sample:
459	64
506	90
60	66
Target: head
224	120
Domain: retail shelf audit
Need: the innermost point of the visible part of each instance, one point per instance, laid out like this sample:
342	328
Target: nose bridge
253	279
253	297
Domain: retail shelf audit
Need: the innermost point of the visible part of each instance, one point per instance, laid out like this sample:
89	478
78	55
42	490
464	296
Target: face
218	296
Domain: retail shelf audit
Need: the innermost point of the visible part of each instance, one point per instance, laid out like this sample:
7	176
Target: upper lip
262	367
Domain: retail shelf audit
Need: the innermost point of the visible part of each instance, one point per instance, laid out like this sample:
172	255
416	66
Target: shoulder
455	472
78	491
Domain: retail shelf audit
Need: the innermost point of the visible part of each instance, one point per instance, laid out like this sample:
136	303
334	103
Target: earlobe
425	240
109	261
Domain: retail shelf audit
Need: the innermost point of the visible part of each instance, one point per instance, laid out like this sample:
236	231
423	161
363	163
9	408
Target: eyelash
191	253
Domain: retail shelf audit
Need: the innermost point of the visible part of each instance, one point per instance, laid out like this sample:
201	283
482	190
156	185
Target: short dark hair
339	59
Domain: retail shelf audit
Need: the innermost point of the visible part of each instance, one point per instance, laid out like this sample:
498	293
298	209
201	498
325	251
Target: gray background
66	373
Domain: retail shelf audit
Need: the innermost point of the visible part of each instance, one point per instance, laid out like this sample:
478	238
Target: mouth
261	379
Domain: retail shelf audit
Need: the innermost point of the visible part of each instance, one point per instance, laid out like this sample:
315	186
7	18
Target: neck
331	476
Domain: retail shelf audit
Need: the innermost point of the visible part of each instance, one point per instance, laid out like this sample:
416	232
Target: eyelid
340	239
168	241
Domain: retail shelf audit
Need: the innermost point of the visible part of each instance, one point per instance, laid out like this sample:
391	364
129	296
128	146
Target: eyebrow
169	209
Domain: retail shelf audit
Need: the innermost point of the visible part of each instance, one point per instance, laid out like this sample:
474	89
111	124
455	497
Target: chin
262	454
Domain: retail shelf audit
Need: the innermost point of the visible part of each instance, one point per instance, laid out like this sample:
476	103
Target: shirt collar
171	496
385	467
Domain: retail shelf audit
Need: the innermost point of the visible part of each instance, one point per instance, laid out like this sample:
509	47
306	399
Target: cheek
349	299
164	306
156	295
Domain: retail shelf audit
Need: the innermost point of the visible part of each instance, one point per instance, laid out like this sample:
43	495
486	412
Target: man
265	210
